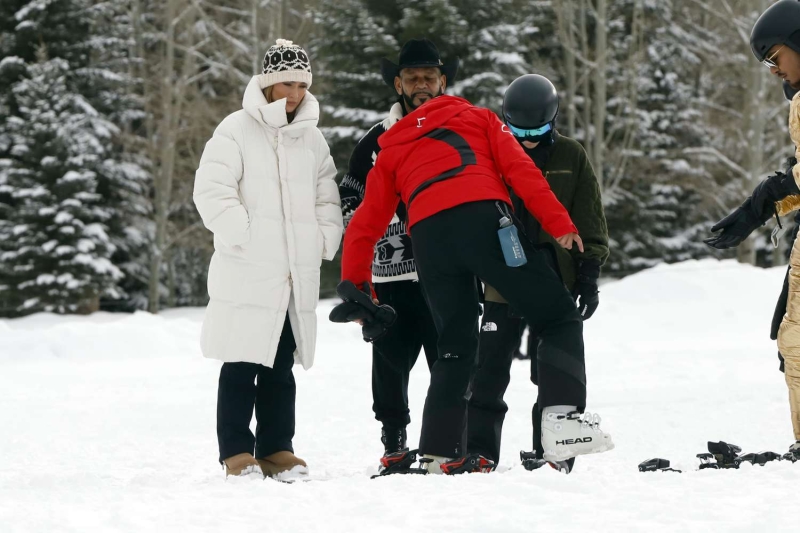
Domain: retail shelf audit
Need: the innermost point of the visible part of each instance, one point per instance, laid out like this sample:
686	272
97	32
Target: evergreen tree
358	33
90	39
55	247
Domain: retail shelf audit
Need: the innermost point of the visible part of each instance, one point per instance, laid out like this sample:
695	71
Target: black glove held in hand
358	305
585	291
737	226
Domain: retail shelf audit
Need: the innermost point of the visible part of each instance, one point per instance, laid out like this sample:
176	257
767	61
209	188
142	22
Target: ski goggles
770	61
526	133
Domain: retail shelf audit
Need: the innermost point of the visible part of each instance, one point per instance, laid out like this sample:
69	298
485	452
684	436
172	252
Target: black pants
452	248
499	337
501	331
394	355
273	398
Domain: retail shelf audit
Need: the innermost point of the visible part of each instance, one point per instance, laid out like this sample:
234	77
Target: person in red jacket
451	164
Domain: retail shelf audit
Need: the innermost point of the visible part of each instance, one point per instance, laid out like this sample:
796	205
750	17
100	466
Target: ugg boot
241	465
283	465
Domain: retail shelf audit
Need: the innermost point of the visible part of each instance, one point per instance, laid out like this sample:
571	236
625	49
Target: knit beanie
285	61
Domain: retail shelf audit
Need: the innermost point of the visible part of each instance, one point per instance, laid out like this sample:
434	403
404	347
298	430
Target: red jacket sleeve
527	180
368	224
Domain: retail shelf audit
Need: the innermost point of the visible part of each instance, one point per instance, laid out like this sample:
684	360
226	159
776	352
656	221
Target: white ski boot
433	463
566	433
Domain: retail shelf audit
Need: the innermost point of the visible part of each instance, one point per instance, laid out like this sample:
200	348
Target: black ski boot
393	439
531	461
399	463
470	463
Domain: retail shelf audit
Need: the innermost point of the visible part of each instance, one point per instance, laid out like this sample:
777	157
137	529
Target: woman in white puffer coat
265	188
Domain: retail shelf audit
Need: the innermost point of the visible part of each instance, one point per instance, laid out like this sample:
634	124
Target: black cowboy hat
418	53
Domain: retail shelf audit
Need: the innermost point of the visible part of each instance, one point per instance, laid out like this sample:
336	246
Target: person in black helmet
530	108
775	41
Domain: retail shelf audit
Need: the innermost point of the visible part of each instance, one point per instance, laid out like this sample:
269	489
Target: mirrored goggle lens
535	132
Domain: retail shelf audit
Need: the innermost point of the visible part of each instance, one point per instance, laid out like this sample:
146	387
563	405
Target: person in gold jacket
775	41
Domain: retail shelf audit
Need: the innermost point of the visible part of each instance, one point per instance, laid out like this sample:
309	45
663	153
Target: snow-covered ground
107	423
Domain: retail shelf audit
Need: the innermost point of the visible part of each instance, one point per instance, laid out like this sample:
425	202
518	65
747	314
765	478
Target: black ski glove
585	291
737	226
358	305
773	189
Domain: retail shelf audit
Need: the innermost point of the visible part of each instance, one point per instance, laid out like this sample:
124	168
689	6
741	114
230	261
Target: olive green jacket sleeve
587	213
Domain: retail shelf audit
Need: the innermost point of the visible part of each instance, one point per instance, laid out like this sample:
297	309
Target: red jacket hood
423	120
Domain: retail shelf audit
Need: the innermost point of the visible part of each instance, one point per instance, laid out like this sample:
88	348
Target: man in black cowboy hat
419	76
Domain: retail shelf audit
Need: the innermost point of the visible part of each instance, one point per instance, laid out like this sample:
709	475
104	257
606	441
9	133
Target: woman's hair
268	96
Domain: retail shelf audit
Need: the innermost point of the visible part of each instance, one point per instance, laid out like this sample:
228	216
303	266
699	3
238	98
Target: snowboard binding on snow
358	305
467	464
656	465
399	463
723	455
531	461
720	455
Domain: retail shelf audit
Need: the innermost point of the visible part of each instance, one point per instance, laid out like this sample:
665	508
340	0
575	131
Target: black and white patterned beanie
285	61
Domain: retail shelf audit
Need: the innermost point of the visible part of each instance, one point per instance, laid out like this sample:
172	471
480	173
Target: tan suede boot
282	464
241	465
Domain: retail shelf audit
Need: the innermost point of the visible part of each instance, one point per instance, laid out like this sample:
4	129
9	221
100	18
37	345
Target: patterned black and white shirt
394	259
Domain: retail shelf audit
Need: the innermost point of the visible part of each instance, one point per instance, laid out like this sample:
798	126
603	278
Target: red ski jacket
469	151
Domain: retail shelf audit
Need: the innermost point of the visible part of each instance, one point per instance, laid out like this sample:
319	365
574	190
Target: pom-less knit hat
285	61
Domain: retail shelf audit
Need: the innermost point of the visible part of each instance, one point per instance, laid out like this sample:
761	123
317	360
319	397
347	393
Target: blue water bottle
509	242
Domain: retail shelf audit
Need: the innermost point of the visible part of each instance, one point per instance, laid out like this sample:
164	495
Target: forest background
105	107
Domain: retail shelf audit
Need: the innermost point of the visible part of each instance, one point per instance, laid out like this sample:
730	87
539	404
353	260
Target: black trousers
501	332
452	248
499	337
273	398
394	355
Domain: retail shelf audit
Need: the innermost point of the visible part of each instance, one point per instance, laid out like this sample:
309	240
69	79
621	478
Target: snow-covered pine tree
90	37
355	34
654	205
346	50
486	36
56	247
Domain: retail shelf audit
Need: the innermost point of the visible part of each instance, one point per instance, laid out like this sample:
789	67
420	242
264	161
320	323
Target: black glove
358	305
737	226
773	189
585	291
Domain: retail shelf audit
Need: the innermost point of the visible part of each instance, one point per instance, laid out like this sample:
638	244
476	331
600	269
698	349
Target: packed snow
107	423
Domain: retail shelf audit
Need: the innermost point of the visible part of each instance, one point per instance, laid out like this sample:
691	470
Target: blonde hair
268	95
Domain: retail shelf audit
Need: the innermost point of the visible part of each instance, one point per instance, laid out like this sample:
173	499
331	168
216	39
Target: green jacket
572	179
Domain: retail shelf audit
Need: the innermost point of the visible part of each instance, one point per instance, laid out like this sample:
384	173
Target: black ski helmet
531	101
779	24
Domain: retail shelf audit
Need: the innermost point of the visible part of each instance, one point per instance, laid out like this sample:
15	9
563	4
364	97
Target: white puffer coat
266	189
